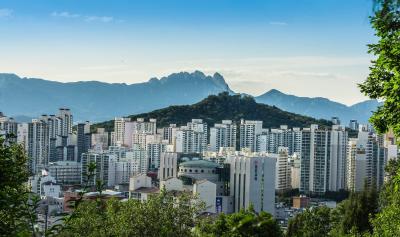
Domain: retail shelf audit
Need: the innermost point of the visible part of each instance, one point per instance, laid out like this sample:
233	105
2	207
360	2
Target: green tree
244	223
16	215
352	216
387	221
161	215
314	222
383	81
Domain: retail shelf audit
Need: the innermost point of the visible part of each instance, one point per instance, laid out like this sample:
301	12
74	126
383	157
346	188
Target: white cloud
105	19
278	23
87	18
5	12
65	15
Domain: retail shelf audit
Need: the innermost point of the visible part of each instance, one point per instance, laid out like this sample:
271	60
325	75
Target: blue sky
303	47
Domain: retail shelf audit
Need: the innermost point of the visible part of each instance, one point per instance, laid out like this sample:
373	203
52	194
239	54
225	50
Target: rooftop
199	164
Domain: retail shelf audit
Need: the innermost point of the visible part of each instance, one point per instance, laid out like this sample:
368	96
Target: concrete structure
301	202
323	159
356	165
168	166
84	139
22	135
100	139
172	184
190	141
353	124
252	181
366	159
138	127
337	159
169	133
249	130
38	142
283	171
67	120
8	126
223	135
295	171
206	192
119	131
194	170
102	161
44	185
66	172
140	187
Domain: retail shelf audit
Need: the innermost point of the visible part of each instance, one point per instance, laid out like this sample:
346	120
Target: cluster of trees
351	217
362	214
223	106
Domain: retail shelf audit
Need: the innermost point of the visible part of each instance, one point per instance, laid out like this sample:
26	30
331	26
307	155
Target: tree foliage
383	81
161	215
353	215
215	108
243	223
16	216
387	221
313	222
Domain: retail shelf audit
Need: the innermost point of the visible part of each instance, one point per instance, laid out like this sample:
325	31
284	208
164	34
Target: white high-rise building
67	121
283	171
138	156
252	181
249	130
337	166
323	159
169	133
138	127
102	162
366	158
154	150
66	172
356	164
168	166
189	141
223	135
8	126
22	134
119	131
353	124
38	143
198	126
295	171
100	139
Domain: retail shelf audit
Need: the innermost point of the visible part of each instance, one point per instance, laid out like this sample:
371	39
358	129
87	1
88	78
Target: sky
307	48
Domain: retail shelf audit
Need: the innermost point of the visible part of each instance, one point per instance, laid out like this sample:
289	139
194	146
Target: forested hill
223	106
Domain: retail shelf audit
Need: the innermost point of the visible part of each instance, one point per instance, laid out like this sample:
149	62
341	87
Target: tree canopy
243	223
15	215
383	82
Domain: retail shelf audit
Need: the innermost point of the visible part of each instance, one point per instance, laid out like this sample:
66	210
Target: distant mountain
319	107
98	101
215	108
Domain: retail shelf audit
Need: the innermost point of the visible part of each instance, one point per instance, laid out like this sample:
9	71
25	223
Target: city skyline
256	47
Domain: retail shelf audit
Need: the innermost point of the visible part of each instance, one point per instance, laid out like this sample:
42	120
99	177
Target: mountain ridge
99	101
317	107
